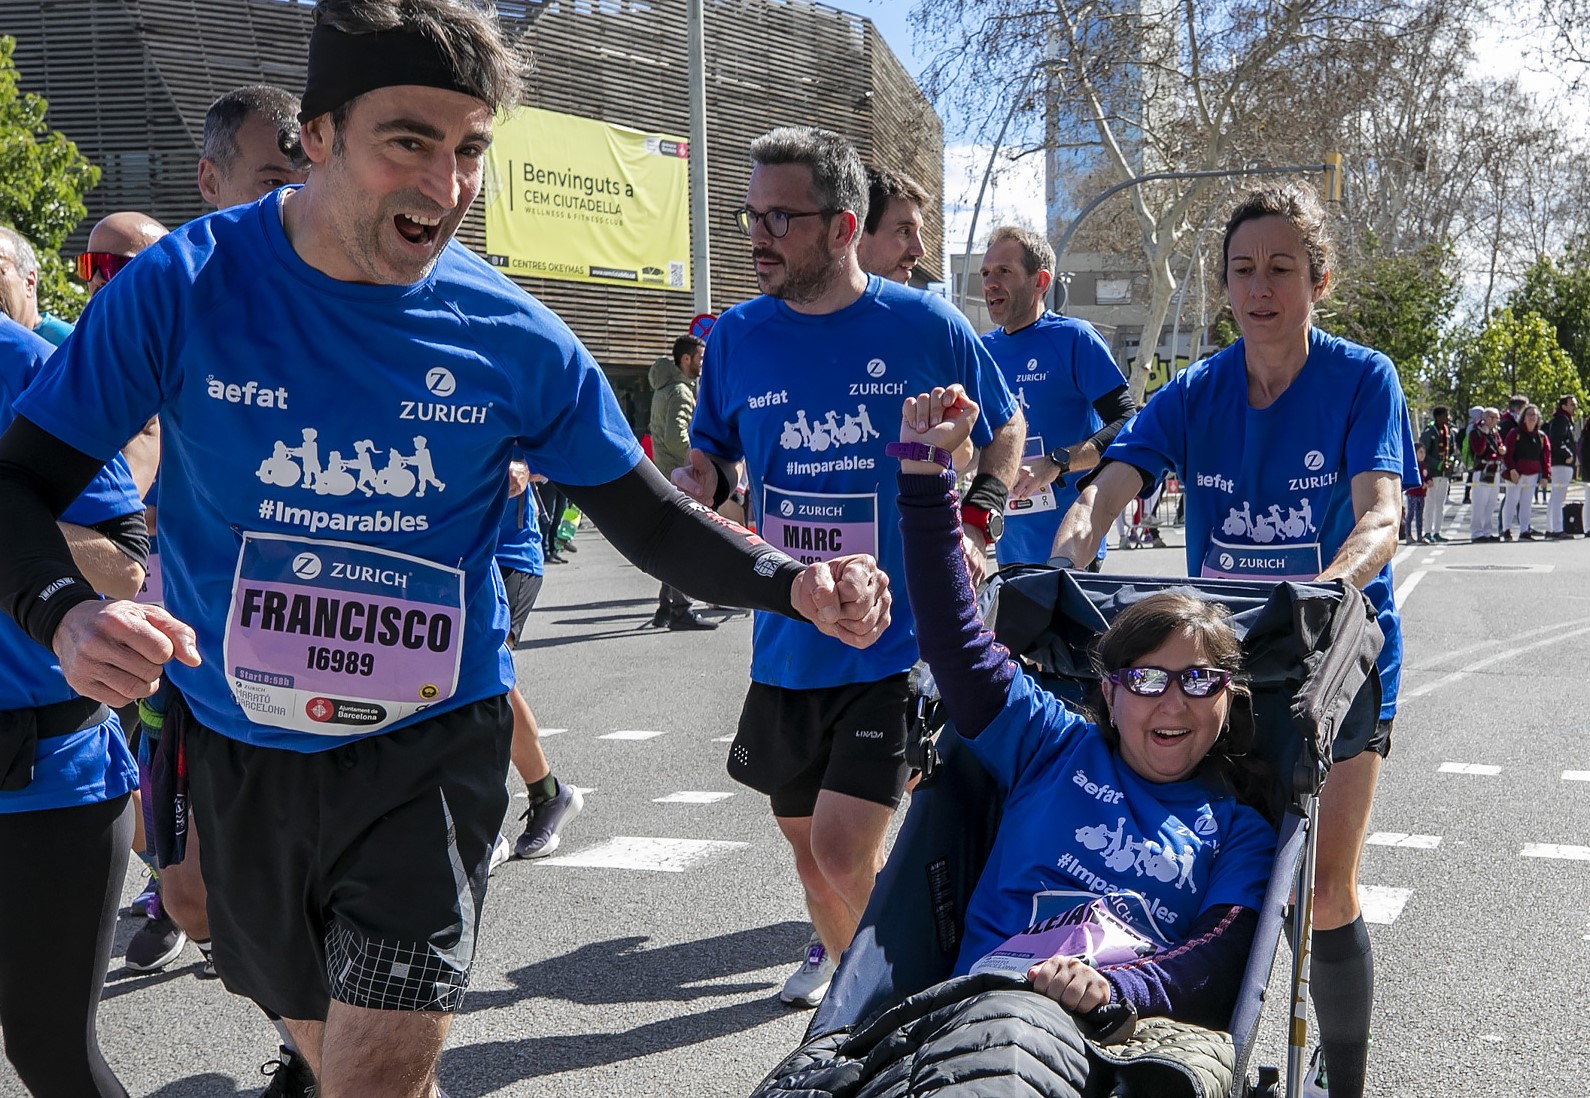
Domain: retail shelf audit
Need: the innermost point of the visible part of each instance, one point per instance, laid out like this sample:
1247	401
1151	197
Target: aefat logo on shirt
250	393
1214	480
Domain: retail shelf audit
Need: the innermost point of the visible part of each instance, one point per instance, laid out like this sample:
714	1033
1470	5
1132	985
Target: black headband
344	66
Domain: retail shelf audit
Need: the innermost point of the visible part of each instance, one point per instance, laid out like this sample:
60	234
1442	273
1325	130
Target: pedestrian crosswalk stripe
1469	768
1398	838
1556	850
630	734
639	852
692	797
1380	904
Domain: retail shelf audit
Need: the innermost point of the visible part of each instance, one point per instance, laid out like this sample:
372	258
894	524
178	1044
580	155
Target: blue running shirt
810	402
1057	367
519	537
1269	490
1079	822
92	765
333	465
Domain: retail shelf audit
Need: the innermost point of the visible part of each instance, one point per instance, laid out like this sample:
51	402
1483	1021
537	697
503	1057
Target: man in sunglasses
341	682
112	243
802	383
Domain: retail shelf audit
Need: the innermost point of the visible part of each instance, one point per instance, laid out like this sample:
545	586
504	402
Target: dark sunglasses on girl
1151	682
102	263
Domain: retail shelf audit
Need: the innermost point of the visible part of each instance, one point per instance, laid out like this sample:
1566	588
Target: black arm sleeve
39	477
129	533
667	534
1115	408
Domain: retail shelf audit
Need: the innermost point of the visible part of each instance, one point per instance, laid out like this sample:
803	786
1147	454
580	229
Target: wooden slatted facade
130	80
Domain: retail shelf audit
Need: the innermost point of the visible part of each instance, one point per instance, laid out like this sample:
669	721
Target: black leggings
63	870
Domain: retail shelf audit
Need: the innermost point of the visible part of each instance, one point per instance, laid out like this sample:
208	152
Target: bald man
114	241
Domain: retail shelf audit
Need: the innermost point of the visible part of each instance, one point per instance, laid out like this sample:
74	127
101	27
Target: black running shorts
354	874
523	589
850	739
1378	740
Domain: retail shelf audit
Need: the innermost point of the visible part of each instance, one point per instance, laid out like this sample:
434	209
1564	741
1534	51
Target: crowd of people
319	674
1502	457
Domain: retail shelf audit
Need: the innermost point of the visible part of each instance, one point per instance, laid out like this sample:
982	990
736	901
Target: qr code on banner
676	274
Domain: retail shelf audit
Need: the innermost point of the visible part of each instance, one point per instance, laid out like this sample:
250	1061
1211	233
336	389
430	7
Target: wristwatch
920	451
990	523
1061	456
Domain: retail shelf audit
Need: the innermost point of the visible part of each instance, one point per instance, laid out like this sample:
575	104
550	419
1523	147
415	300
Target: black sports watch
1061	456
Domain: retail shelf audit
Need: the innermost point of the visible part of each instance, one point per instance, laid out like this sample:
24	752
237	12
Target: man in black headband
338	438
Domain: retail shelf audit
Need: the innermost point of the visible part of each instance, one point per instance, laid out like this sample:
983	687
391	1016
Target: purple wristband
920	451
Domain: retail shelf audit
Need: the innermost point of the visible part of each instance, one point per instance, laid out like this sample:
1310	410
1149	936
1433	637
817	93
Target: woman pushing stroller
1135	824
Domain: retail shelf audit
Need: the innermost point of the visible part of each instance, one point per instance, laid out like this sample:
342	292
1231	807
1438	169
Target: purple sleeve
1197	980
973	672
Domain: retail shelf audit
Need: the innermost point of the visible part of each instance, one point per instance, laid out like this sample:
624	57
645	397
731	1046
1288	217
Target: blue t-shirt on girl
1270	489
1056	367
1164	851
94	764
810	402
519	537
332	469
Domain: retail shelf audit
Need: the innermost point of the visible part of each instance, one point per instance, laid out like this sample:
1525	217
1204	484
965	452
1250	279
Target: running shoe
1527	535
500	852
141	902
158	942
808	984
690	620
546	820
289	1075
207	969
1314	1084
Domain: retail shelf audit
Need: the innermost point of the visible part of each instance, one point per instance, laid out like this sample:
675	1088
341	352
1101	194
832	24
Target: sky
1015	191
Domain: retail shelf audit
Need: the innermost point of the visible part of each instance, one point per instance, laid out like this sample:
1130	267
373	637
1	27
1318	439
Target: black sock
543	791
1342	981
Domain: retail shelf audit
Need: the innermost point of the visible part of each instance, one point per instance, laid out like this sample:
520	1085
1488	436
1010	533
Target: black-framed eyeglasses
776	220
1151	682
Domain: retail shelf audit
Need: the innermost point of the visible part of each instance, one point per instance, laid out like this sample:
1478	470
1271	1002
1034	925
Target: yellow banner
584	201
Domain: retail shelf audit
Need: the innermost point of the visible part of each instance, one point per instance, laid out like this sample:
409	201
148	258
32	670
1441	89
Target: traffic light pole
1331	169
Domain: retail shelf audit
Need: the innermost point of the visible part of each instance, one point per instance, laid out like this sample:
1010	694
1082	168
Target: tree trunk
1161	288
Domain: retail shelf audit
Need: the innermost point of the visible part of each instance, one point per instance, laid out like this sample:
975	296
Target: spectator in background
1564	457
673	403
1486	453
1413	509
1528	460
1440	453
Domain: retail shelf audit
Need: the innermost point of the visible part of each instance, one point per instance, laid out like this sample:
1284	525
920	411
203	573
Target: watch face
996	526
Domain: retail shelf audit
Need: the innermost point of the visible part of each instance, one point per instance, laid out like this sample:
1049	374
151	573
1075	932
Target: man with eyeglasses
802	383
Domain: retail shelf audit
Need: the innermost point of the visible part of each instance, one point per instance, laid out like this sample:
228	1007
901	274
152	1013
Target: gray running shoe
157	943
544	821
808	984
289	1075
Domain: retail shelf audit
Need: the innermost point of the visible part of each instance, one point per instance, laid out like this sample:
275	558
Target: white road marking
1468	768
1480	665
687	796
1436	553
1382	905
1576	775
1556	850
723	739
637	852
630	734
1398	838
1405	588
551	731
582	790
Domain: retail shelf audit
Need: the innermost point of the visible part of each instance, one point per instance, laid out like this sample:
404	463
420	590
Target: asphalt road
657	973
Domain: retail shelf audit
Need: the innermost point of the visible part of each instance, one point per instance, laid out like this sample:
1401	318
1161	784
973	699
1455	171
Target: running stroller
1309	651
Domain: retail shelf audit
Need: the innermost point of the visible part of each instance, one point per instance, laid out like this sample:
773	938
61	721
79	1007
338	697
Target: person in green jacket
673	403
